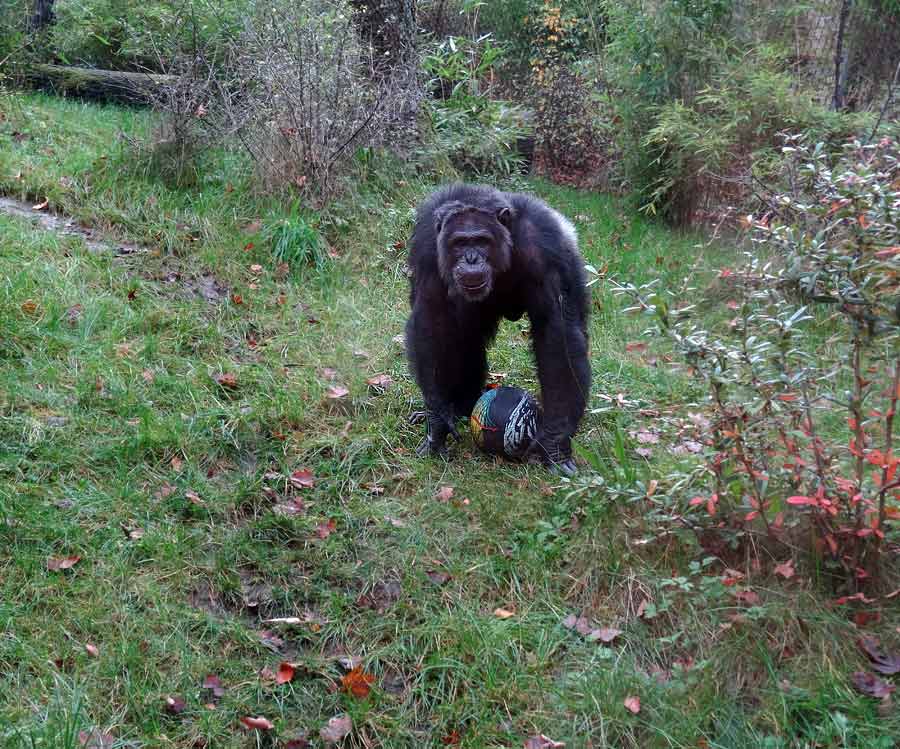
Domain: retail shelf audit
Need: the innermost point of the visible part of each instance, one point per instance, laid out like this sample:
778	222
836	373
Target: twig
887	103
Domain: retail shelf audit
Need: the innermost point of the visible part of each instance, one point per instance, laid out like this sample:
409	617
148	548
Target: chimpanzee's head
474	246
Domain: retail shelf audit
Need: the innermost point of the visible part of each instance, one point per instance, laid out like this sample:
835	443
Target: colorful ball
504	421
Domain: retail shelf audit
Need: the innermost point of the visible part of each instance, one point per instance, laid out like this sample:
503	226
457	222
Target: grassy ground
121	444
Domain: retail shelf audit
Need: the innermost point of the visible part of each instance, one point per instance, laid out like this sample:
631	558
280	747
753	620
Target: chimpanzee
478	254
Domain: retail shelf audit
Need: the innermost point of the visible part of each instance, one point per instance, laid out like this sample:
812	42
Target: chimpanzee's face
474	248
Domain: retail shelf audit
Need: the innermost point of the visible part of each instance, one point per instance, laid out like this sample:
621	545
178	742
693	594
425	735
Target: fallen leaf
438	577
290	508
255	268
633	704
175	705
267	675
451	739
336	392
270	640
747	596
29	307
298	742
543	742
380	382
785	569
226	380
177	463
41	206
148	376
324	530
884	663
357	682
303	479
871	685
259	723
501	613
285	673
646	438
96	739
56	564
444	494
864	618
214	684
73	314
336	728
636	346
604	634
193	497
92	649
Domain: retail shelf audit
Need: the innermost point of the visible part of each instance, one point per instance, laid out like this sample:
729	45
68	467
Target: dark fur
534	269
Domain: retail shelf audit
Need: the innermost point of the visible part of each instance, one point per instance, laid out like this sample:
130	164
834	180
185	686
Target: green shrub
296	241
126	35
699	104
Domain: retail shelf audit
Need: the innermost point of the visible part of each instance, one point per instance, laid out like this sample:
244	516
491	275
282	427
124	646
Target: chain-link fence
848	51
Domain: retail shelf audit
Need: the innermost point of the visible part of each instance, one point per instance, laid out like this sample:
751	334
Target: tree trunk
840	59
106	85
41	15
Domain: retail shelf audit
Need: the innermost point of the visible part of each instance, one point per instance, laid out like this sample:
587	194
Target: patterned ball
504	421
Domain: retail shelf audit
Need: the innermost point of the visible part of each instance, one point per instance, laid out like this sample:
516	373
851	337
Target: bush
804	382
698	103
476	132
123	35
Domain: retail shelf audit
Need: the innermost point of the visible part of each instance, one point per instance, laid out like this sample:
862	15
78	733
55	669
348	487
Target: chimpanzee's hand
554	452
435	442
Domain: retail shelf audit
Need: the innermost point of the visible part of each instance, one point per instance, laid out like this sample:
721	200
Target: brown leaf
290	508
96	739
226	380
444	494
438	577
92	650
175	705
302	479
336	728
298	742
451	739
259	723
73	314
177	463
604	634
41	206
193	497
871	685
29	307
747	596
542	742
267	675
380	382
55	564
884	663
285	673
148	376
636	346
503	613
324	530
646	438
336	392
633	703
357	682
785	569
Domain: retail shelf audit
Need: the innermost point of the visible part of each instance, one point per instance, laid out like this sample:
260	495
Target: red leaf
214	684
302	479
92	650
260	723
884	663
56	564
747	596
604	634
633	704
226	380
801	500
324	530
358	683
336	392
785	569
285	673
444	493
452	738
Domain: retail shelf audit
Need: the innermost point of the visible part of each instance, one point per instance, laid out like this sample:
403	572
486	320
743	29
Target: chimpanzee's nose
472	257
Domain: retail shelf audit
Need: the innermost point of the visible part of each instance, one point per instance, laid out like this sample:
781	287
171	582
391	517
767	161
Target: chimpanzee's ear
505	216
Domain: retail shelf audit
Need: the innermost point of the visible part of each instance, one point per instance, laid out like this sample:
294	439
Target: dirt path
67	227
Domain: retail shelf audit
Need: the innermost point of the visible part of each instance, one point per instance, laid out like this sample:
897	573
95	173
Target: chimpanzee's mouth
477	287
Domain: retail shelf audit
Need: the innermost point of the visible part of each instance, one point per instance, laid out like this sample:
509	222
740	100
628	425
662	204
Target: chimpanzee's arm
430	332
558	329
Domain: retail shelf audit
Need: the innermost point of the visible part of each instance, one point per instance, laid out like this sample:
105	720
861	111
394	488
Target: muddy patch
68	227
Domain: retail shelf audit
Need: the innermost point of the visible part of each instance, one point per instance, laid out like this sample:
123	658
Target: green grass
111	420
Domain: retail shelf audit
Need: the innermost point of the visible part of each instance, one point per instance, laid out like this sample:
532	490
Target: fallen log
107	85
